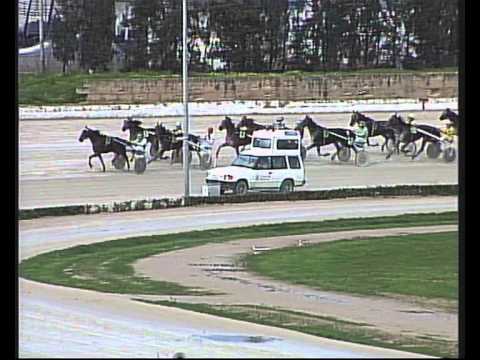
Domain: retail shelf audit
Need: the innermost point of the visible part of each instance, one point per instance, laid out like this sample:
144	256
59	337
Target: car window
262	143
279	162
264	162
287	144
245	161
294	162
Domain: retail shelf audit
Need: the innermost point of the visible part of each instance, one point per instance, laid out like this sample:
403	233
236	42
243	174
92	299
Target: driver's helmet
410	118
140	136
361	124
178	125
210	130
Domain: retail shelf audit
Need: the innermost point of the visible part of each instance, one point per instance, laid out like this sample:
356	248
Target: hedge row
135	205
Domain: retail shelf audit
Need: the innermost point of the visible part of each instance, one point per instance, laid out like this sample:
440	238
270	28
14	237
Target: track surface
53	168
57	321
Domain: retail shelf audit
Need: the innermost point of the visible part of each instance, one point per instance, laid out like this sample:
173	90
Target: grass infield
107	266
420	265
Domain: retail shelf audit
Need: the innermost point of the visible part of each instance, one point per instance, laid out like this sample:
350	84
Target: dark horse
168	142
103	144
234	137
322	136
251	125
375	128
406	133
134	128
450	115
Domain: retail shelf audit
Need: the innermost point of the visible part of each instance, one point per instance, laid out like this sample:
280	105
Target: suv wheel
287	186
241	187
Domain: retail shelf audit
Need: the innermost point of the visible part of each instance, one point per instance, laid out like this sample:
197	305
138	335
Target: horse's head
301	124
85	134
355	118
226	124
447	114
130	124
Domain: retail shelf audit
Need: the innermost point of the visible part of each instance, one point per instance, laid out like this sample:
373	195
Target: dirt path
215	267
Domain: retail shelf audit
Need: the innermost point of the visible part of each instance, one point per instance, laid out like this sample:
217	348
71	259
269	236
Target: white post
186	127
40	33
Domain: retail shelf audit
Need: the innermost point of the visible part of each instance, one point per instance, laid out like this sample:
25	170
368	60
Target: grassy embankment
420	259
58	89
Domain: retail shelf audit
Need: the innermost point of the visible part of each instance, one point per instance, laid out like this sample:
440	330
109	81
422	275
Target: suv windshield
245	161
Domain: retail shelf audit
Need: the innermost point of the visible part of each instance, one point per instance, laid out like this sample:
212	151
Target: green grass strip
323	326
421	265
107	266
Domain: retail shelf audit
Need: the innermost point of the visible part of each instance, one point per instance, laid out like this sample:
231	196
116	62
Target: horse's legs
335	153
126	158
101	160
318	150
90	160
218	150
424	141
237	150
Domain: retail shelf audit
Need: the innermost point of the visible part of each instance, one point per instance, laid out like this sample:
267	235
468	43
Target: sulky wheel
433	150
361	158
140	165
344	154
449	154
118	162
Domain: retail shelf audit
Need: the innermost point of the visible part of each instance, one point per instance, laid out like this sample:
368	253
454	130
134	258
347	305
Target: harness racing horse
322	136
134	128
375	128
450	115
407	134
168	142
234	137
103	144
250	124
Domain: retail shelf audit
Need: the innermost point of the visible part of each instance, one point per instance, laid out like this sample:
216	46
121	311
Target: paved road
53	167
57	321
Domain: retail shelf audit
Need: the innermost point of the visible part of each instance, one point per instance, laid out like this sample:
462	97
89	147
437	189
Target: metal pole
186	127
40	31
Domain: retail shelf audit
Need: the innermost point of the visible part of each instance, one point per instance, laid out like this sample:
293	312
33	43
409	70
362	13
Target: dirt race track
53	168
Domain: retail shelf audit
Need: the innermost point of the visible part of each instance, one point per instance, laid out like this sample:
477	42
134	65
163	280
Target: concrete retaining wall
283	88
136	205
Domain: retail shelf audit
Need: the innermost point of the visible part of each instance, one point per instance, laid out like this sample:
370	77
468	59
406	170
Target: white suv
265	167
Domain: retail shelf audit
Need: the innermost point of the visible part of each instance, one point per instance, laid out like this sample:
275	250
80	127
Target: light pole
40	34
186	127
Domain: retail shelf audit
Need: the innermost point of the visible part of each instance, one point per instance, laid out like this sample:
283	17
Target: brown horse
234	137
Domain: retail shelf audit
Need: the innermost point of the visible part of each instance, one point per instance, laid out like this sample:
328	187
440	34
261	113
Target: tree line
260	35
